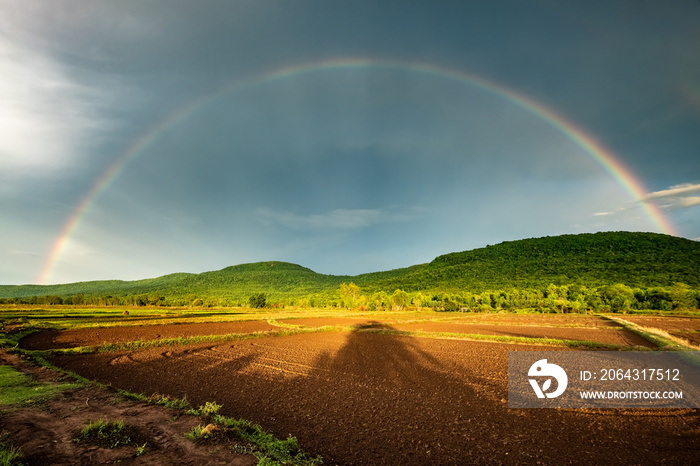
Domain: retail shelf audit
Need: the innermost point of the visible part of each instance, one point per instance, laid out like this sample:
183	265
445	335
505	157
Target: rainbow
592	147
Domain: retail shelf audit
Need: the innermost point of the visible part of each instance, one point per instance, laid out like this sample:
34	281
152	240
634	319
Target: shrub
257	301
110	434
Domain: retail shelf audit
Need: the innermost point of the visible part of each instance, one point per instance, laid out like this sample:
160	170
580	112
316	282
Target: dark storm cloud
343	170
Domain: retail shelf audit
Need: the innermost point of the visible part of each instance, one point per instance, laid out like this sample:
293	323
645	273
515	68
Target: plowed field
601	334
98	336
687	328
357	397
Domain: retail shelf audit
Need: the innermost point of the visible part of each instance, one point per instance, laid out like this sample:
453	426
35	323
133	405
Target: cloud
675	197
335	219
19	252
49	112
690	201
338	219
677	190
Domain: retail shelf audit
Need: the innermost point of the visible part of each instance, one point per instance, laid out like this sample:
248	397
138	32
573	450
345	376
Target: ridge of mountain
592	259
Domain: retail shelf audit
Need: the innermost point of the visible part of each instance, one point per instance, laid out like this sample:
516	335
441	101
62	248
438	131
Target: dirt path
45	432
363	398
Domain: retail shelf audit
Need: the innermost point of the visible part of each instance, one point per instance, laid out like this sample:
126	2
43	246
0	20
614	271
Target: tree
378	301
155	299
418	300
450	306
683	297
618	296
399	300
349	294
257	301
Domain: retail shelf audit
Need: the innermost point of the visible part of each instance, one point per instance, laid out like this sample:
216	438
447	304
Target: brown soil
101	335
365	398
581	320
568	327
323	321
548	320
45	432
601	335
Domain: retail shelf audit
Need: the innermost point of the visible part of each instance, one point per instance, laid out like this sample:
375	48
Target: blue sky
223	159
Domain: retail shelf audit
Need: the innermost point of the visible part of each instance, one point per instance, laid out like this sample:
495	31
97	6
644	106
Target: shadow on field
360	397
389	358
372	397
381	399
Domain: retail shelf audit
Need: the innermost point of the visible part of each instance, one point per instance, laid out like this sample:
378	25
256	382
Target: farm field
685	327
383	388
53	339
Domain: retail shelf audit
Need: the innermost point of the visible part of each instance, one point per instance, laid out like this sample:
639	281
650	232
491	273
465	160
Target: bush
110	434
257	301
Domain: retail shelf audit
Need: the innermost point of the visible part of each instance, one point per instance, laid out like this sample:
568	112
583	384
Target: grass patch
268	449
664	340
156	399
9	454
277	323
18	388
110	434
11	340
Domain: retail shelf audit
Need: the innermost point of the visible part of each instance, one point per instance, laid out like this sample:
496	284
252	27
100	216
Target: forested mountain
99	287
642	261
595	259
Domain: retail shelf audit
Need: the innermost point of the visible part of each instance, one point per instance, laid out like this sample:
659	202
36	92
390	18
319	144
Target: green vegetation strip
9	454
264	446
497	338
660	338
135	345
277	323
268	449
18	388
11	340
83	321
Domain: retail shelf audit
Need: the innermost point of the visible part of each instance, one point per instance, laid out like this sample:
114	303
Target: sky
141	138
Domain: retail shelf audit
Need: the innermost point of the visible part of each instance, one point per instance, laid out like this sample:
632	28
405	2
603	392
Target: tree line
553	298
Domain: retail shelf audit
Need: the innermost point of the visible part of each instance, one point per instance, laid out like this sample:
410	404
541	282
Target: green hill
275	278
98	287
637	260
590	259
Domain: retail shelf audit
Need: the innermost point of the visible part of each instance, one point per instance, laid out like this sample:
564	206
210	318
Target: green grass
17	388
9	454
266	447
160	400
10	340
110	434
662	339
